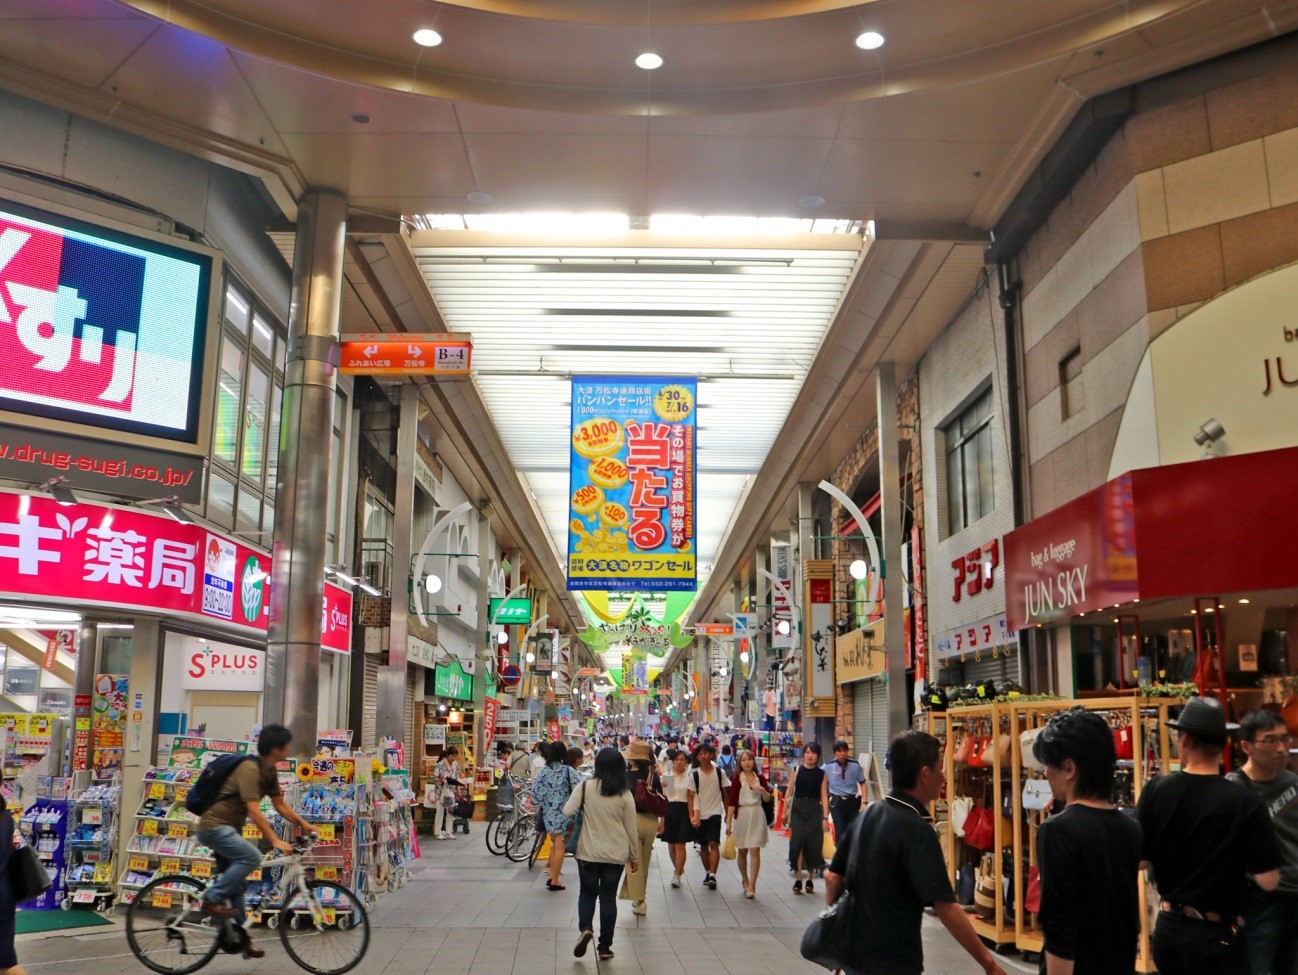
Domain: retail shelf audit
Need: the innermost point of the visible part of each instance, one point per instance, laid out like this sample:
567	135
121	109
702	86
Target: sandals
797	886
811	888
553	887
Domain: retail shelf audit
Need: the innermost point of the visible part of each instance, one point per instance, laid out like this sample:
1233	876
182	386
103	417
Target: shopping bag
827	846
728	849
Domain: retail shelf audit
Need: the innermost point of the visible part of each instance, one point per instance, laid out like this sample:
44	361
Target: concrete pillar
805	549
141	736
485	648
893	582
392	718
301	493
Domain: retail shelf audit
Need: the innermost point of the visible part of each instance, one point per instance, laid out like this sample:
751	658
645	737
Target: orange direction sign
437	354
714	629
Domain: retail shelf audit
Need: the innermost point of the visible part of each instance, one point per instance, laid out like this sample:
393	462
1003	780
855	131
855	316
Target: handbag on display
985	893
1123	743
960	807
1037	795
1026	740
980	828
27	876
962	748
964	885
976	752
830	940
1032	899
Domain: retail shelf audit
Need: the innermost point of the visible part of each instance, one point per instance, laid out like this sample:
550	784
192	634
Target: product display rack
163	841
778	751
1152	755
330	797
91	840
45	824
394	827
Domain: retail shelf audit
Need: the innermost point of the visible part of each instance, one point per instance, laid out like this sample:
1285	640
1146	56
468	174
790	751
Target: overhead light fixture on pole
57	488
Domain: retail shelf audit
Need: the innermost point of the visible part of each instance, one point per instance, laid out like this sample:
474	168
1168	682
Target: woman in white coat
608	842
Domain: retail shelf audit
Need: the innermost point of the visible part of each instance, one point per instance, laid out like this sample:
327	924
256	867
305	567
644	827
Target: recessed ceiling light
871	40
426	37
477	196
649	61
811	201
360	118
1243	602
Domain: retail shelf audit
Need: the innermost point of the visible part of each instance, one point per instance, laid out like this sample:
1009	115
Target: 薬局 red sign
336	620
95	554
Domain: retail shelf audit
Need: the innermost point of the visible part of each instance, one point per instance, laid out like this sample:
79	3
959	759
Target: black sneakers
710	882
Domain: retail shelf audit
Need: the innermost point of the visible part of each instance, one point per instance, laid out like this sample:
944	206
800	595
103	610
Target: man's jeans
1184	946
235	859
842	810
1271	934
598	881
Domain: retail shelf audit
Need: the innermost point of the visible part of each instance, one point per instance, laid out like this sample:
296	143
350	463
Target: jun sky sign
633	462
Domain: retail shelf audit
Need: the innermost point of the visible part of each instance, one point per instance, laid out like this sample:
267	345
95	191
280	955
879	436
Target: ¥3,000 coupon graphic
631	521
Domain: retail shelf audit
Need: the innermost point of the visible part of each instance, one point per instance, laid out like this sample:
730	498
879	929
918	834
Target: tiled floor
465	912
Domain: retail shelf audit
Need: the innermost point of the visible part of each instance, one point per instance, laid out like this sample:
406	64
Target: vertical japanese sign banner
631	516
818	682
490	714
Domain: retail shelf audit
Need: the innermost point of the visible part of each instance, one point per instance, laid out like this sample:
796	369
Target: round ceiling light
361	118
811	201
871	40
426	37
477	196
649	61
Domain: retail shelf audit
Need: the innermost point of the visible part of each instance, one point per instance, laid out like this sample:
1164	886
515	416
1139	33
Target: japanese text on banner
633	460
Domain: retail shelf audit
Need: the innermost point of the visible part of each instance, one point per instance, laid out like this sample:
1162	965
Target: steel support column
804	550
894	638
301	491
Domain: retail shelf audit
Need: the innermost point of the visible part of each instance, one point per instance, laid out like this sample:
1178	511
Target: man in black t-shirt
899	869
1203	837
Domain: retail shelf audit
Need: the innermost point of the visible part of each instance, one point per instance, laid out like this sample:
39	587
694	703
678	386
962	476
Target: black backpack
203	793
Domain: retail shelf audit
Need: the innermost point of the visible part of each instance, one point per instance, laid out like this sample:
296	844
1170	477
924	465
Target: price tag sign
326	873
201	869
255	875
251	832
181	793
84	897
161	898
326	831
149	827
137	863
329	916
177	829
92	817
169	865
157	790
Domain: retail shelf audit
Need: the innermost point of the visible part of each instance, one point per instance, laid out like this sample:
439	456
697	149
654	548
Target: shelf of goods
163	841
26	744
92	840
394	829
779	751
1144	746
44	826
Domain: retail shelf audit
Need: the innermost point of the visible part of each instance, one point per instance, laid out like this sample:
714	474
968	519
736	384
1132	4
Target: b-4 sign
437	354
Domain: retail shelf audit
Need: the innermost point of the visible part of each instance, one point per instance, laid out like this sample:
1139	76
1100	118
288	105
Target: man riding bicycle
220	829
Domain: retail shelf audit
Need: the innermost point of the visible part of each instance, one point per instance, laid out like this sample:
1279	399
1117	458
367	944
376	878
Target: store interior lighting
359	581
32	618
58	489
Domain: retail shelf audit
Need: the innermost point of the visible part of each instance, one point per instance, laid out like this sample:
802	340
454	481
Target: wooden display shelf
997	934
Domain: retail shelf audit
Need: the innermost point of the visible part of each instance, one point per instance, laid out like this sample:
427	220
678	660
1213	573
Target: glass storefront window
237	310
254	424
263	335
249	519
225	433
272	440
220	500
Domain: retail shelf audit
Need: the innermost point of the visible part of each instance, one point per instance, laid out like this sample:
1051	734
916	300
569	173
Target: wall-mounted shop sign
436	354
860	654
336	619
104	329
989	636
224	669
975	571
510	612
632	469
435	734
451	681
421	652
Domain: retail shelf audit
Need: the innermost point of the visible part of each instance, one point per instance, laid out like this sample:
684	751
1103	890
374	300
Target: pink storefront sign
93	554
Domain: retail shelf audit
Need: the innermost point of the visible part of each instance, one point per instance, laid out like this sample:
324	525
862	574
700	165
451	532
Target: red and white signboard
336	621
101	555
228	669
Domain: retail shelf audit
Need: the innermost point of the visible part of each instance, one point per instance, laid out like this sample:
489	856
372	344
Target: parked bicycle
519	808
322	924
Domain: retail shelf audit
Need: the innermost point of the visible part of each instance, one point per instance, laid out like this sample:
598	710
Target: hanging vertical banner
490	714
782	637
631	503
818	649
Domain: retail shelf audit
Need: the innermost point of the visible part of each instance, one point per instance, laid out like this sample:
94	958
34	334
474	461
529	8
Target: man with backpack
227	795
707	787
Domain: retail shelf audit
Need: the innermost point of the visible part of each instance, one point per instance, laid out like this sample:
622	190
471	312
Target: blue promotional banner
633	463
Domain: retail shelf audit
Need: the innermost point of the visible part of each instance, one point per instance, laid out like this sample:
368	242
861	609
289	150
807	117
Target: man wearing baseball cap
1205	838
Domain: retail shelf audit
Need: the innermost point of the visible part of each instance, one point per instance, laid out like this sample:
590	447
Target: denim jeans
1271	934
235	859
598	880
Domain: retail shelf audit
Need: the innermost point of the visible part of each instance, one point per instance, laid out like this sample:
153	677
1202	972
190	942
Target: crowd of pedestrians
1222	849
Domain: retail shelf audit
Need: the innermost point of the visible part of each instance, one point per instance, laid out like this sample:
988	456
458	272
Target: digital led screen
101	327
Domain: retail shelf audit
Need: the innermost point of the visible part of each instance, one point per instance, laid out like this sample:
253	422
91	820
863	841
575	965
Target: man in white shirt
707	785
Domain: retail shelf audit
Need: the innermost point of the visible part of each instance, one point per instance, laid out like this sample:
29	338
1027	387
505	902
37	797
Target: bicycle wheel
166	928
537	843
518	845
497	832
325	930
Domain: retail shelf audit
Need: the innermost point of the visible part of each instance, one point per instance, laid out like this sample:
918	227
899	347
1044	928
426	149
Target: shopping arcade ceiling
761	104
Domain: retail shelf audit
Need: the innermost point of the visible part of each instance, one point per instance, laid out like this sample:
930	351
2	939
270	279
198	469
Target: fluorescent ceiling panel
746	319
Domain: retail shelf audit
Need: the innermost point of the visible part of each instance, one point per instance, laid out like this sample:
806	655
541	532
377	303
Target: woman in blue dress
551	787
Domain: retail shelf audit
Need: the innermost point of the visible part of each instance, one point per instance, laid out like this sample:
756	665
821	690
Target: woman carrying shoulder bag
608	841
648	824
8	957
